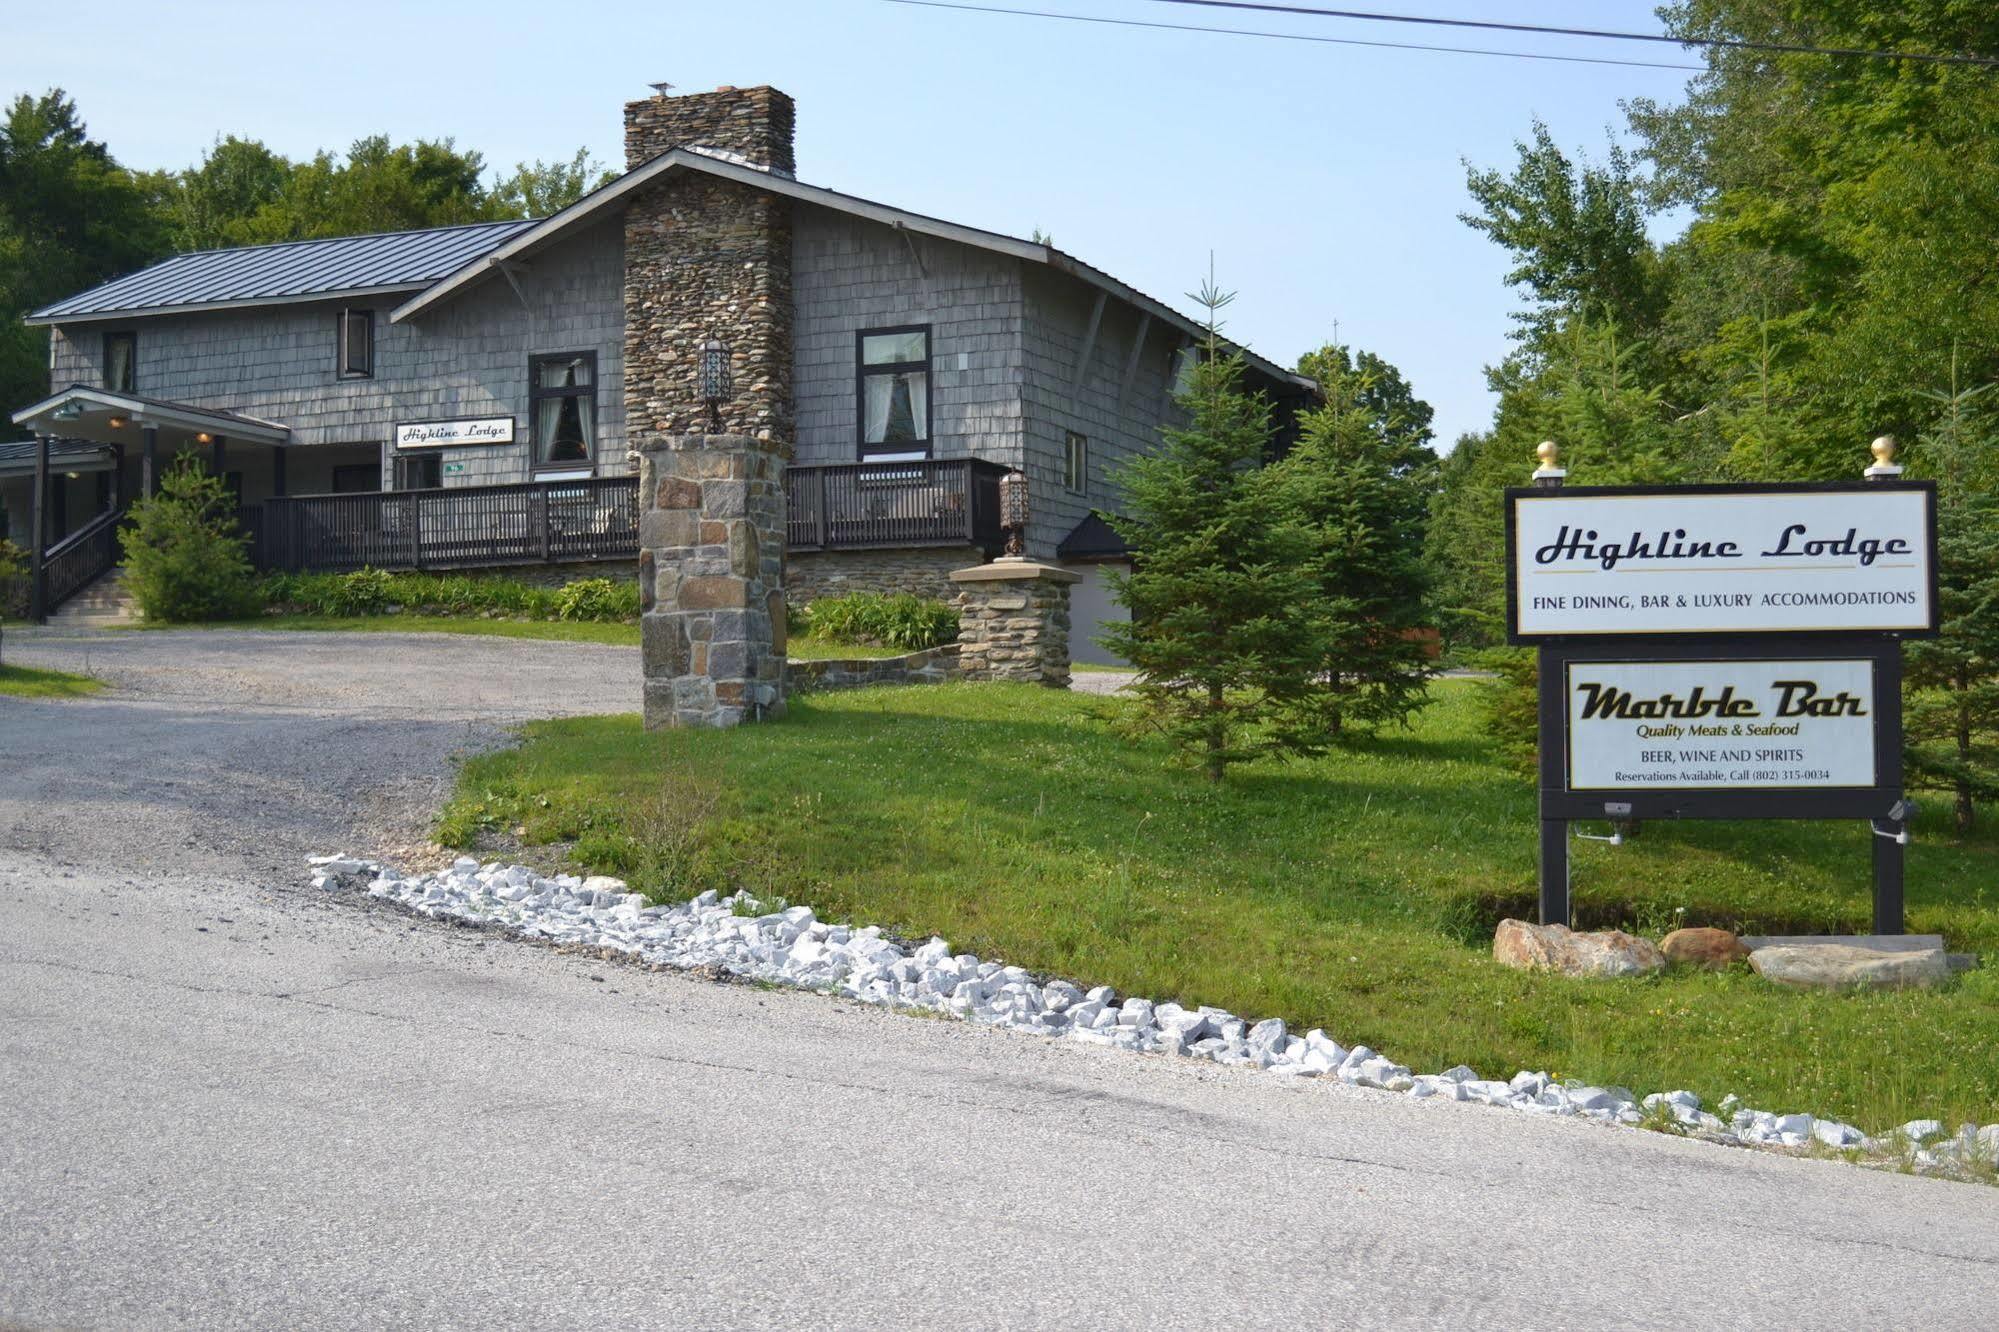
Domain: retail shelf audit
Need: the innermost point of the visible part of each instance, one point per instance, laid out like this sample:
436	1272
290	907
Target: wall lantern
718	381
1014	512
116	422
204	438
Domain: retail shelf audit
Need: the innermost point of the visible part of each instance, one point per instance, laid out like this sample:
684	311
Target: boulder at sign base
1704	946
1558	948
1838	966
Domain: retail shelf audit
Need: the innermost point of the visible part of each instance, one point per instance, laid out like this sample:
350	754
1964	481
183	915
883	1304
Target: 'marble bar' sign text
1720	560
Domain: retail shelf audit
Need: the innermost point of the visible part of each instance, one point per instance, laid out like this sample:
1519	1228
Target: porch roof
65	455
100	416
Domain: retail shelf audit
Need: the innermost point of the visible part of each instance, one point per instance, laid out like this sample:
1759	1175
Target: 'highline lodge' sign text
1720	560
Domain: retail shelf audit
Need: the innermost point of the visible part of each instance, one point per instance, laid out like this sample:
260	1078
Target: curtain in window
898	408
563	427
118	364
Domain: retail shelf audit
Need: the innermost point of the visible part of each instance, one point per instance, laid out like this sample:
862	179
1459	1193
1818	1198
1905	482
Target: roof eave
44	315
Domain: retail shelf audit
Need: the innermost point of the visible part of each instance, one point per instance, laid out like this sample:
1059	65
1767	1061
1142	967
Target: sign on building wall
1583	562
1721	724
449	434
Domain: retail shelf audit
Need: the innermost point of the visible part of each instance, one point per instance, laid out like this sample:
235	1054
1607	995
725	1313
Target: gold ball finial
1547	452
1883	449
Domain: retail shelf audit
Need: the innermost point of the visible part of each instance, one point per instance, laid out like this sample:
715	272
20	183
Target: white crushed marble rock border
794	948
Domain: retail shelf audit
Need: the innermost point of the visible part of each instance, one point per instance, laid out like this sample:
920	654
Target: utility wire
1725	43
1292	36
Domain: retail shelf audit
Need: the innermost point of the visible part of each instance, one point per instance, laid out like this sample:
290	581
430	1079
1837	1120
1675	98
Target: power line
1292	36
1723	43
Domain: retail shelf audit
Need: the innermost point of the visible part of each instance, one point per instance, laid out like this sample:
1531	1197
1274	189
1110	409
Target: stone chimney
708	258
752	123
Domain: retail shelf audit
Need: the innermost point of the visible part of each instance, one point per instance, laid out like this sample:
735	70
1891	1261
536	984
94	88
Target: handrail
78	560
109	518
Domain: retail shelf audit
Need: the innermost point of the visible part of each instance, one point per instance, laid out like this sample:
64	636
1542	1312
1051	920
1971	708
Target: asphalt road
228	1101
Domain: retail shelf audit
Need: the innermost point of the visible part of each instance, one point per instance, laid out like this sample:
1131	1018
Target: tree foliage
70	217
1834	283
1359	482
1220	627
185	558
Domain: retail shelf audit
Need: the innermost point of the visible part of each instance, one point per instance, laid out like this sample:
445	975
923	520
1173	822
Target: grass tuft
30	682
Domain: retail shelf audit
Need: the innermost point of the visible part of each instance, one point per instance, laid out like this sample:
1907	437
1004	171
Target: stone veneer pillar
711	579
709	258
1013	621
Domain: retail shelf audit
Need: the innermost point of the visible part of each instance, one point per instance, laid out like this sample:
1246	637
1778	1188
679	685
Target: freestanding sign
1722	652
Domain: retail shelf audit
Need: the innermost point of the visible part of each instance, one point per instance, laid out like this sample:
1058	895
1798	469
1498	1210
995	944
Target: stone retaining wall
930	666
835	573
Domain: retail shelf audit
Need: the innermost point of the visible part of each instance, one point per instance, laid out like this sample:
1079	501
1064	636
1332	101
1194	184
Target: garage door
1090	609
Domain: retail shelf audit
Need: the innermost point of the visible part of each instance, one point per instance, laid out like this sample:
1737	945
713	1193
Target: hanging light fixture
1014	512
718	380
116	422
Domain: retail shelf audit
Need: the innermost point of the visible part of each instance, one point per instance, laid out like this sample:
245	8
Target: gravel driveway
243	751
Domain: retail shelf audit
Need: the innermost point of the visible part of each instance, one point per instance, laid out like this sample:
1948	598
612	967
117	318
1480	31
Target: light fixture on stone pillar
1014	512
718	381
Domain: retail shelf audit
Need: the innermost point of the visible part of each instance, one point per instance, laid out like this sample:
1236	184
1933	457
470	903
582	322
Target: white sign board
1721	560
1711	725
446	434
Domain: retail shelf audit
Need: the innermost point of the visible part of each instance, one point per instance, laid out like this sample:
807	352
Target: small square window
121	362
1075	463
355	357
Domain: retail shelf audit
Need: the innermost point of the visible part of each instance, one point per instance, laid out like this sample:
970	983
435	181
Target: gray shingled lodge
457	397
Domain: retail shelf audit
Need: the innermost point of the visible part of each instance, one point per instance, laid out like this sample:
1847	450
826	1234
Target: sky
1325	180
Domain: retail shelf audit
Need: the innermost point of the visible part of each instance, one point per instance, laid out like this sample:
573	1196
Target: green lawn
27	682
1355	892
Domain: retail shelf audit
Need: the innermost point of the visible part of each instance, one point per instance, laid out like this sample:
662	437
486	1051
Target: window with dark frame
355	357
356	478
1075	462
419	471
121	362
892	393
562	403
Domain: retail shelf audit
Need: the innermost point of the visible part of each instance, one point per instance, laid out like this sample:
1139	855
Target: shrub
597	599
378	592
901	621
185	558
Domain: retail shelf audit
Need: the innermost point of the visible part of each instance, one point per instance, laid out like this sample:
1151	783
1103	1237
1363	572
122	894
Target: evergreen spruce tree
1951	682
1362	490
185	557
1221	629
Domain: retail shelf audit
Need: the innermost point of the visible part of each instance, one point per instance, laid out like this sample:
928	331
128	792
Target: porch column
278	471
39	530
215	454
117	475
149	462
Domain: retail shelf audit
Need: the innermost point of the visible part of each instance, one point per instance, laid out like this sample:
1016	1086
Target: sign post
1713	652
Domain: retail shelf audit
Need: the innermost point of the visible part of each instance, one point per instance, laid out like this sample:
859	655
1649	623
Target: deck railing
844	506
461	527
861	506
74	562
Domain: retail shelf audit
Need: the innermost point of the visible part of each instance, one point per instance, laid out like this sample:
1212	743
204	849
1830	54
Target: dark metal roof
60	451
293	270
1093	539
